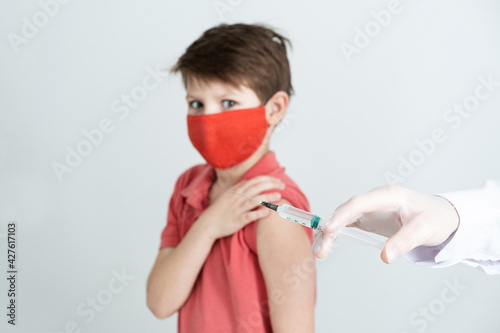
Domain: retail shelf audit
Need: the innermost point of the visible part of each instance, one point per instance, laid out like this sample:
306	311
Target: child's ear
276	107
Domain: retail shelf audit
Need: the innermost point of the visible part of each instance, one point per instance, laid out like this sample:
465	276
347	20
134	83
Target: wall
88	233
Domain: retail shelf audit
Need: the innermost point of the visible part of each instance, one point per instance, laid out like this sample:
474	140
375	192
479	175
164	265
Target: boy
225	264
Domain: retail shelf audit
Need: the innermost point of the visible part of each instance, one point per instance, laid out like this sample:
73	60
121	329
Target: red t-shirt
229	294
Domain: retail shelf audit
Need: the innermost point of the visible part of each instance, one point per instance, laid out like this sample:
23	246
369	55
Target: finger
254	215
322	245
382	199
247	205
241	187
263	186
269	197
245	185
406	239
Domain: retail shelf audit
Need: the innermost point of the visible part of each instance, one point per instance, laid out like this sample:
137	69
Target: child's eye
227	103
196	104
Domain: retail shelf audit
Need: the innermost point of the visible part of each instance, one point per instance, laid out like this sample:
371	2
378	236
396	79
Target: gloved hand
408	218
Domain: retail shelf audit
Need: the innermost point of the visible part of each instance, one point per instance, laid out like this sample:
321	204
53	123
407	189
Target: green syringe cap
315	222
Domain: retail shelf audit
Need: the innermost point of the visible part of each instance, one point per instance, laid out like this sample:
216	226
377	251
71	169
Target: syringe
315	222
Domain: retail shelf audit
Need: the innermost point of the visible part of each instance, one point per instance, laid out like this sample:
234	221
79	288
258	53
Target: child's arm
176	268
175	271
289	270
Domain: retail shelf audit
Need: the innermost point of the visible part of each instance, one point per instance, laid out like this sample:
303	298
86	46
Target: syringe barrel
315	222
299	216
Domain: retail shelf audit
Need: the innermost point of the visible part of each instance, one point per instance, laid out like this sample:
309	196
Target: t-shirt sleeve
170	236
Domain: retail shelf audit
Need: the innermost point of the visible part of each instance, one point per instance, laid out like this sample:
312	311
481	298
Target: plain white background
348	125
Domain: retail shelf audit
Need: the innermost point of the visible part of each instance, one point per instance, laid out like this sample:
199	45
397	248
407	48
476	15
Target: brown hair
253	55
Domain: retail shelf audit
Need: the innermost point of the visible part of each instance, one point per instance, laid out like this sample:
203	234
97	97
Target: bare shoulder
278	237
289	270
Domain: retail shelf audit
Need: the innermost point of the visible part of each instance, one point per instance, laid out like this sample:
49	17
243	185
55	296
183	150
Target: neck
228	177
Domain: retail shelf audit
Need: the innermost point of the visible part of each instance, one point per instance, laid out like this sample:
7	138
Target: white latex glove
408	218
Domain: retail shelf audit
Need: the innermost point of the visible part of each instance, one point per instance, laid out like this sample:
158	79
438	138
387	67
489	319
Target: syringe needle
228	189
263	203
269	205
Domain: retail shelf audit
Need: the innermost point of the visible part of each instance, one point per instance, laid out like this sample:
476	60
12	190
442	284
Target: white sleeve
476	242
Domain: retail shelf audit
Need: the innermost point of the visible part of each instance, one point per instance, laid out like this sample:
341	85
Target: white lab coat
476	242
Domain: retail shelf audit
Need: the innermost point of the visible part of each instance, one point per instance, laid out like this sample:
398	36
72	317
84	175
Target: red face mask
228	138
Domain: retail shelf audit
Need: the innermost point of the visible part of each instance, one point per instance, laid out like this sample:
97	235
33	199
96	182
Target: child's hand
231	212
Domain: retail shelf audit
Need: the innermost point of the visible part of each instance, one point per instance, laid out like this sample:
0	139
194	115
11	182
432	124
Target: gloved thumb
402	242
322	245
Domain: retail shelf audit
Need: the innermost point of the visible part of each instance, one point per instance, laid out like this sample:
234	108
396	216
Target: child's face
215	96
